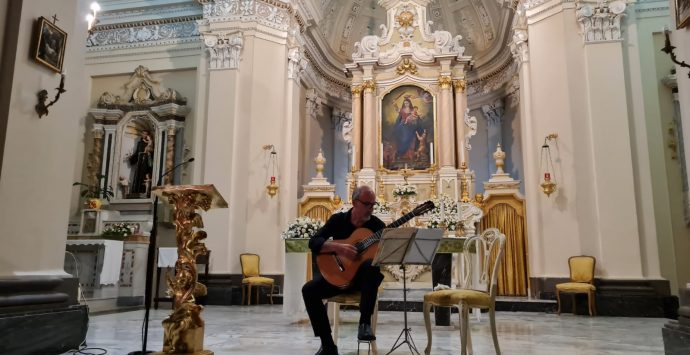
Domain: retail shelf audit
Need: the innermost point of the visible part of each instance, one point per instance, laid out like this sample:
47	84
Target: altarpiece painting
407	128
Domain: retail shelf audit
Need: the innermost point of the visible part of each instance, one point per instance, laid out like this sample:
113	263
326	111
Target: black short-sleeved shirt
340	227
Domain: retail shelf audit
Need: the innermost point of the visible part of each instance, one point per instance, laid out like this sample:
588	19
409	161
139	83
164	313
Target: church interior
532	152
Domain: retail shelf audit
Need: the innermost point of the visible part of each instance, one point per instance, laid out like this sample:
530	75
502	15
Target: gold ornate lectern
184	328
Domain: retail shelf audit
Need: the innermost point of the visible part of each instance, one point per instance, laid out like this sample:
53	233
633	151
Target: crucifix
55	18
405	172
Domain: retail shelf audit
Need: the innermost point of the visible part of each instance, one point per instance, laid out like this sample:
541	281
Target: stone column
494	122
356	143
460	107
369	141
94	166
342	121
444	135
608	119
171	129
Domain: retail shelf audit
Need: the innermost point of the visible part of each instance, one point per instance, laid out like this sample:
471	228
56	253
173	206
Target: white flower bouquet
444	214
381	208
118	230
302	227
405	190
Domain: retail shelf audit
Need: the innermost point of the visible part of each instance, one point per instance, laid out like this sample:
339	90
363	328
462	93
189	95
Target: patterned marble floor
264	330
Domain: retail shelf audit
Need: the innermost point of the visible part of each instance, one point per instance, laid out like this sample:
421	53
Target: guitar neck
369	241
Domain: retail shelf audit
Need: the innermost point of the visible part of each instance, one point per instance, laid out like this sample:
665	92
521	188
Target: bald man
368	277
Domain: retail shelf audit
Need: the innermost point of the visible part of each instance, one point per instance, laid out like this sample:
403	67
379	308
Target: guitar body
339	271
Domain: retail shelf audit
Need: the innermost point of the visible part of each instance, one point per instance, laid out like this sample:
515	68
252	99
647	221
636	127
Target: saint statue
141	163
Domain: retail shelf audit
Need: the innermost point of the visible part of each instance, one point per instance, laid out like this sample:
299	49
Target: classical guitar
340	271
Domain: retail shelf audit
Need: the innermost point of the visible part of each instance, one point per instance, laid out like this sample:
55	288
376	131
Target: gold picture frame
682	13
49	44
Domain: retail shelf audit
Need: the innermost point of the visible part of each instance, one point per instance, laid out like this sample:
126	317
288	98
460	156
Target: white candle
354	149
381	157
431	152
443	212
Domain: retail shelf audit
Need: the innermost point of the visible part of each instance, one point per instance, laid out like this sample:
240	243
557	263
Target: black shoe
333	351
365	333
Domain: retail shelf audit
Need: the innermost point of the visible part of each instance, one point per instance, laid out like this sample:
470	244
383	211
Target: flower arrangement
118	230
404	190
444	214
302	227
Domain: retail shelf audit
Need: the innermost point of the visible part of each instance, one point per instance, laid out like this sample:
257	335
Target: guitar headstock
423	208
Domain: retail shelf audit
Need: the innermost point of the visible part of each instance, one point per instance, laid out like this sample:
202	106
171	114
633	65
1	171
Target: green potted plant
94	193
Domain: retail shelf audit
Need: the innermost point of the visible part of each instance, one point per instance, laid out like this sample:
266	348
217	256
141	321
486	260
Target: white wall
39	154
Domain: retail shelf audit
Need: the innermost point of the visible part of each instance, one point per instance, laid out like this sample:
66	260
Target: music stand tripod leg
406	331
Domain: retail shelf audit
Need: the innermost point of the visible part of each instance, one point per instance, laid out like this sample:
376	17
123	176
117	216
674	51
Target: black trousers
367	281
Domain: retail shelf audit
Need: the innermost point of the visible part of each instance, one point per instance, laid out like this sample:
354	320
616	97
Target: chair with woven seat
488	247
251	276
352	299
581	281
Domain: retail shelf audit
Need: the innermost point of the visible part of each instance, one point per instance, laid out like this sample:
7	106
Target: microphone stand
149	263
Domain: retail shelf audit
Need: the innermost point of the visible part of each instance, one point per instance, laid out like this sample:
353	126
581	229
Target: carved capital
519	46
369	86
460	85
313	103
444	81
494	113
297	63
356	90
602	22
224	50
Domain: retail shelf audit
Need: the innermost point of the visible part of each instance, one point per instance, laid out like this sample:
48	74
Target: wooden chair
352	299
489	247
581	281
251	277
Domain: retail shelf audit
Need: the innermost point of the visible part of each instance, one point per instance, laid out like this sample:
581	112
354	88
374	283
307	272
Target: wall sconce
92	17
548	185
668	49
272	187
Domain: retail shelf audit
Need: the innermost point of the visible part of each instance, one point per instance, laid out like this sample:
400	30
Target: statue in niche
407	128
141	163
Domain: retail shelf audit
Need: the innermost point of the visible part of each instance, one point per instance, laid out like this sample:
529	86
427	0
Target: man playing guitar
367	280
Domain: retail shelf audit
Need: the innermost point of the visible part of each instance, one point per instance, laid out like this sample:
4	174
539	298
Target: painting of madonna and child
407	128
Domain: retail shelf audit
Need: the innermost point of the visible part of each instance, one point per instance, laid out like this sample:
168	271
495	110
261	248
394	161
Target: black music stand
407	246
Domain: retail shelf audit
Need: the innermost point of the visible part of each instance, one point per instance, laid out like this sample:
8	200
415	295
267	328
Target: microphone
160	178
150	259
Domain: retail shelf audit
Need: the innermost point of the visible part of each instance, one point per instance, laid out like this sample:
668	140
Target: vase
94	203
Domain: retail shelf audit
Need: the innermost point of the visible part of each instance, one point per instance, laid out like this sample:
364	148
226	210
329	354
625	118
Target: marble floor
264	330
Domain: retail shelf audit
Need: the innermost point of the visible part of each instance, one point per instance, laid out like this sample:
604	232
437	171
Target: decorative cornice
149	35
493	80
272	14
327	77
152	22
